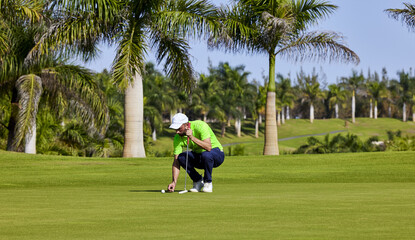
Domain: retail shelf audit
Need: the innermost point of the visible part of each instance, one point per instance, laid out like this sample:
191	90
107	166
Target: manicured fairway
338	196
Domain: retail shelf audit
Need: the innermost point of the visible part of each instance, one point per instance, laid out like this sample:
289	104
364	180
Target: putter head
184	191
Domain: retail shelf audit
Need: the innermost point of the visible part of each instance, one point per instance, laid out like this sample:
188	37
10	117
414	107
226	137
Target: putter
187	156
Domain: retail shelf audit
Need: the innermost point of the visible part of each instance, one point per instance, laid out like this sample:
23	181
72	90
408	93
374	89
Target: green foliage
352	143
237	150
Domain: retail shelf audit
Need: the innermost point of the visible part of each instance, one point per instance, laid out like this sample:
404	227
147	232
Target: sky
378	40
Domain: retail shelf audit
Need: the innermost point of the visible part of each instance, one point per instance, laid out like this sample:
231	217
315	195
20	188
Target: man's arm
205	144
175	174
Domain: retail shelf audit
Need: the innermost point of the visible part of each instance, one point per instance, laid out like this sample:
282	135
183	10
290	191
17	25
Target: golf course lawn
332	196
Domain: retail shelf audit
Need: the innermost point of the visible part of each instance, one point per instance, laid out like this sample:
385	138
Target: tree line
38	81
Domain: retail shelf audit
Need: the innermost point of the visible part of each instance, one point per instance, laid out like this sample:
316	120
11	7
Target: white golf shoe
197	186
208	187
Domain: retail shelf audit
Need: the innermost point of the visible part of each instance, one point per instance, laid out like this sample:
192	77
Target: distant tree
352	84
336	96
285	95
406	92
377	92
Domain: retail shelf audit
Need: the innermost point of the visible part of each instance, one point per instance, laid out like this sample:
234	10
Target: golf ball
162	191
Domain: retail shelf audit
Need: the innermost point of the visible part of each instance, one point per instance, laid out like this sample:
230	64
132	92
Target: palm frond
236	31
188	18
29	89
174	51
130	56
4	36
318	46
407	15
77	28
311	11
21	9
83	96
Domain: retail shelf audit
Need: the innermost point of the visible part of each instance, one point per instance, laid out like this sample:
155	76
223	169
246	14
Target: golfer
207	152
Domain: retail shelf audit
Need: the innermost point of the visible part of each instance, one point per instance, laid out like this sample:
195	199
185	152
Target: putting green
337	196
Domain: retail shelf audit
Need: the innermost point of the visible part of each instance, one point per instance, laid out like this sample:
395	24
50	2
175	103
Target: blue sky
379	40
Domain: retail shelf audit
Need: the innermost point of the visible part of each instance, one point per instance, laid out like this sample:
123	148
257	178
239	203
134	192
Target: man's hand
189	132
171	187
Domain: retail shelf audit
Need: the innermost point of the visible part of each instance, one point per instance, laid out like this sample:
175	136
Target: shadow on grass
147	191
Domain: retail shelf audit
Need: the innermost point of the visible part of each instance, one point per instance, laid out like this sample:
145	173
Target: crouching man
206	152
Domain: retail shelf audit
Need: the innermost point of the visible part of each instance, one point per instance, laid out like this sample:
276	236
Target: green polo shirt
202	131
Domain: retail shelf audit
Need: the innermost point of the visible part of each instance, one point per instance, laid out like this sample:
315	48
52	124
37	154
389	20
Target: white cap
178	120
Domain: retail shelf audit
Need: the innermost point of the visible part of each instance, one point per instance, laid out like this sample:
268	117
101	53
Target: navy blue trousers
205	160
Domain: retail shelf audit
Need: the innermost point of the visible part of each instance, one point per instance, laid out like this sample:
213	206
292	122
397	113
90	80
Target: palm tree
377	91
278	28
284	95
259	107
405	90
242	92
312	93
135	27
47	76
336	96
158	98
353	83
207	87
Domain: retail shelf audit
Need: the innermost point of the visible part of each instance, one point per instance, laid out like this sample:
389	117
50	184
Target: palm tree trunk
154	134
311	113
282	115
271	137
238	127
271	134
256	128
288	113
278	118
336	107
134	117
404	112
353	108
390	110
260	119
375	114
370	109
30	141
223	131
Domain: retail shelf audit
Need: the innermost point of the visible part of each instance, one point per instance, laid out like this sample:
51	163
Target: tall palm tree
352	84
279	28
135	27
336	96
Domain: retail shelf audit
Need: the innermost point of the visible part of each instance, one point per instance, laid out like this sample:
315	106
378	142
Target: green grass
364	128
333	196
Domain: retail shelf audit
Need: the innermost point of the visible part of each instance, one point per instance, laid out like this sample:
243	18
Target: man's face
182	130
